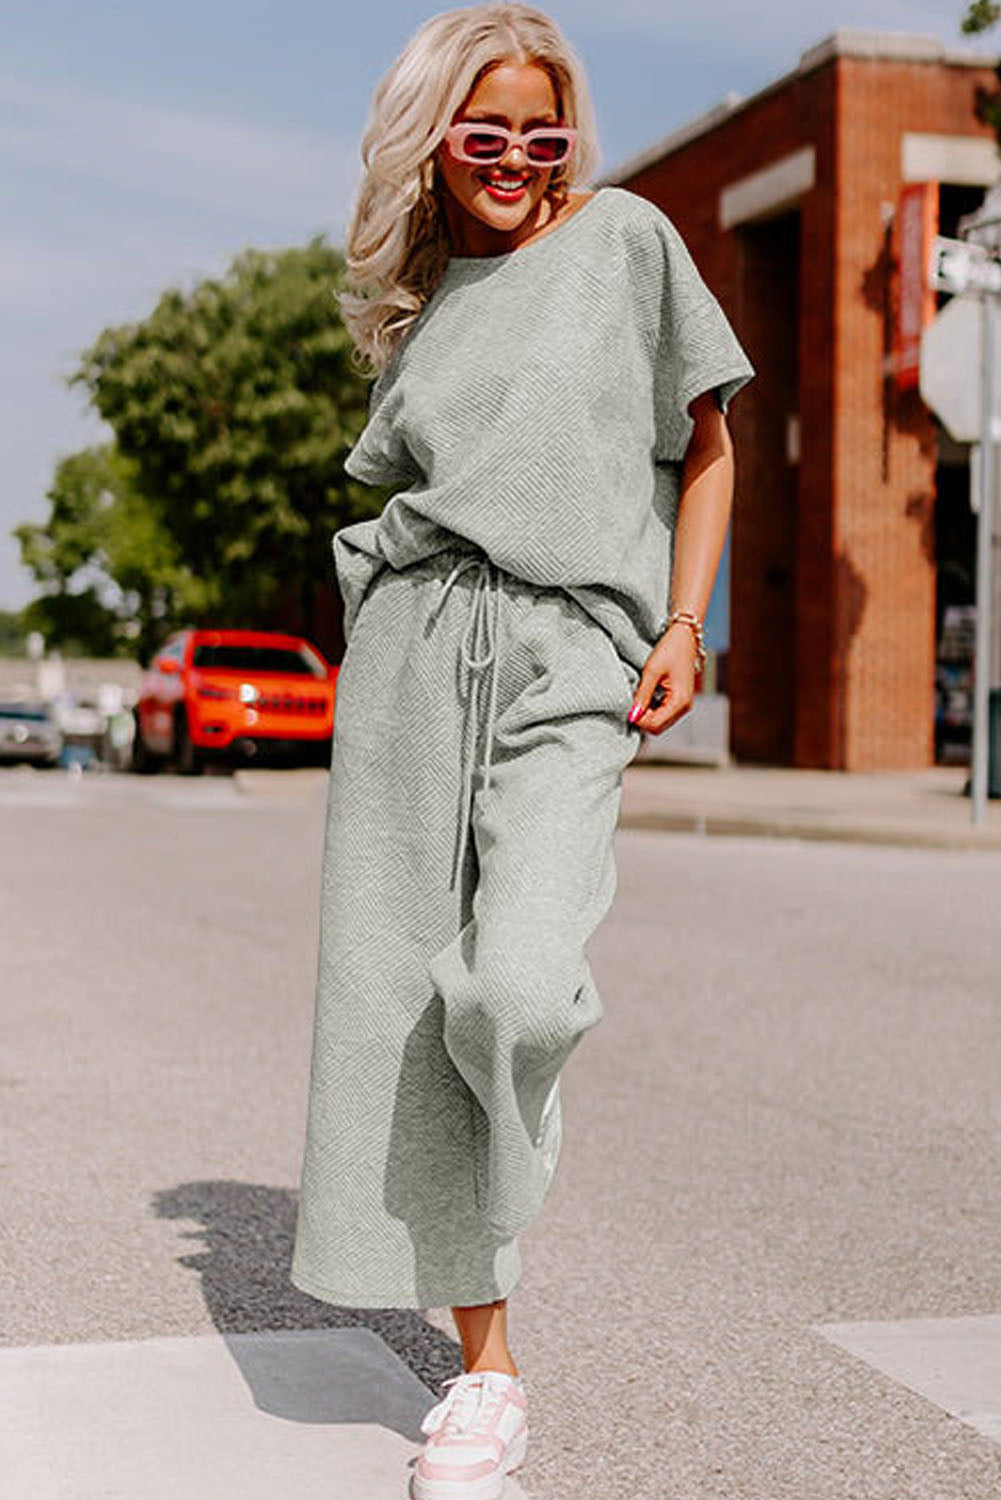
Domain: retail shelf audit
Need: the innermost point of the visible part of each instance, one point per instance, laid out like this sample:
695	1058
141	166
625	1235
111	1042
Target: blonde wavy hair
397	245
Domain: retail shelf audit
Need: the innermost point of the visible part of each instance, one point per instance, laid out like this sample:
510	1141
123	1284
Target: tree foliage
981	15
233	406
111	572
12	633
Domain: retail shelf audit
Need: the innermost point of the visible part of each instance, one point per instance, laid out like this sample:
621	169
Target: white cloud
780	25
107	201
198	161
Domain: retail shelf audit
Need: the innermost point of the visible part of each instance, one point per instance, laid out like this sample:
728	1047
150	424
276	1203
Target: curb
792	828
902	833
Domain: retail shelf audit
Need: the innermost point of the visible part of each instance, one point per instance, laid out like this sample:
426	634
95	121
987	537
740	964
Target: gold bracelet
690	618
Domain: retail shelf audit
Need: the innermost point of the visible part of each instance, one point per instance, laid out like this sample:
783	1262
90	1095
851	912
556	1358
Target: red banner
917	226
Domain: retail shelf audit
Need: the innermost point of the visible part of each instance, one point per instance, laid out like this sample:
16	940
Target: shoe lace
469	1403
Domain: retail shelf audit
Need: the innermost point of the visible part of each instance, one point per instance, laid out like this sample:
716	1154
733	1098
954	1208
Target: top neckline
519	250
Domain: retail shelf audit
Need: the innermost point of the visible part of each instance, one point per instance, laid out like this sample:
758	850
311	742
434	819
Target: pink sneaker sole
489	1487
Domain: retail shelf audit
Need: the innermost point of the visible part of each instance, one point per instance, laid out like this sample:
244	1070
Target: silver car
28	733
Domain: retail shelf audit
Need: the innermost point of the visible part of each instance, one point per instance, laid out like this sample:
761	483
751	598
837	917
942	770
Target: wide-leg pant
480	737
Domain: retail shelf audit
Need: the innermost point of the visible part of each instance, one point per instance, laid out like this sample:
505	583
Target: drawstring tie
479	651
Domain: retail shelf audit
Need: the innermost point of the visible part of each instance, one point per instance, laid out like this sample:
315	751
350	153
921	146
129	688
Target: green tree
12	633
981	15
236	404
111	572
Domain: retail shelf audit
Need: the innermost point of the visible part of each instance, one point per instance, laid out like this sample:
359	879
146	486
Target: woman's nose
515	157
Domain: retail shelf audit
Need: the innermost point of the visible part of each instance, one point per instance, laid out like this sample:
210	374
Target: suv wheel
187	759
142	760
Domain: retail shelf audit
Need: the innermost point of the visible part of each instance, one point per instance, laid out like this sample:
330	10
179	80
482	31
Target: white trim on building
882	46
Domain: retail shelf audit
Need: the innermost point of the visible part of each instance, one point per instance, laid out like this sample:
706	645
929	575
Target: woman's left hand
671	666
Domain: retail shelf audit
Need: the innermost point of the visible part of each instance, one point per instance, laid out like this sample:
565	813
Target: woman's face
520	96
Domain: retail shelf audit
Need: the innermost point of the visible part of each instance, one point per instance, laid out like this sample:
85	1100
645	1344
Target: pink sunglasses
546	146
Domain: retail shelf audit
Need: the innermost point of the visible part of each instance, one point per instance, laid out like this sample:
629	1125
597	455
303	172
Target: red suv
226	694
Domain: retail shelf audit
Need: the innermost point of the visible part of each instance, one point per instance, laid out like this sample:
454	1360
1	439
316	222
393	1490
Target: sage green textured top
537	409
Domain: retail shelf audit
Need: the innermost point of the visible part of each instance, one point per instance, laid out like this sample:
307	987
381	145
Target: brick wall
832	608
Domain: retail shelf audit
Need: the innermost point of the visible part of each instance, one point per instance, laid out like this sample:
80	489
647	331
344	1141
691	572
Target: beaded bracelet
690	618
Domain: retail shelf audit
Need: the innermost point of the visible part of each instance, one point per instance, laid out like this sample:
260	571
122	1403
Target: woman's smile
506	188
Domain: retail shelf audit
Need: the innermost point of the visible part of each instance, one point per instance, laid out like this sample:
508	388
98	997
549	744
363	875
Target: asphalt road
789	1118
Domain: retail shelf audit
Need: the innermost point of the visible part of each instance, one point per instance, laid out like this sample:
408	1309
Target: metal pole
985	516
995	567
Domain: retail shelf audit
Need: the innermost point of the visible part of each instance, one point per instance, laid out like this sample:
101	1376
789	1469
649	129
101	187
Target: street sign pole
985	542
966	268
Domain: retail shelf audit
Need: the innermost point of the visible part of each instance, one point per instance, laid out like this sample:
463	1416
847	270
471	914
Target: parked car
953	706
29	733
954	664
81	724
234	695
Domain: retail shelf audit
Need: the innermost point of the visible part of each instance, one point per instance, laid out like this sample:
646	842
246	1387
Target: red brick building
851	526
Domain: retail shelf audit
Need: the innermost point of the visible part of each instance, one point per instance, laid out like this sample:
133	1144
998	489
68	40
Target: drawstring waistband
480	625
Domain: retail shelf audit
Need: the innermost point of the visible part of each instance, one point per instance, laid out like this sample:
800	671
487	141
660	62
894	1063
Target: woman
552	381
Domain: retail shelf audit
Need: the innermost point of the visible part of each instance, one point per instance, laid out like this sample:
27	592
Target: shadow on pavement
247	1232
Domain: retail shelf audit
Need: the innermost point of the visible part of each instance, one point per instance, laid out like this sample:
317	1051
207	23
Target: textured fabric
497	615
538	409
445	1009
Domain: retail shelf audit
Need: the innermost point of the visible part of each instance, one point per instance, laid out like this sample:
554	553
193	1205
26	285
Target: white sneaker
478	1433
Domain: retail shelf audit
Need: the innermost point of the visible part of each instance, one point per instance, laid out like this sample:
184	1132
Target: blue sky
142	146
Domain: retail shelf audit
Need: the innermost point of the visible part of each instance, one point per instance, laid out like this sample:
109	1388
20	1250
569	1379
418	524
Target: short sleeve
380	455
696	349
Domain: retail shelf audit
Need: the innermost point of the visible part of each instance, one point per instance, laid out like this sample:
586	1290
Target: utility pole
970	266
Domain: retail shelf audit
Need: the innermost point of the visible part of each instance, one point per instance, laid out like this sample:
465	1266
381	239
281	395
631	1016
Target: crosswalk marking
954	1362
321	1414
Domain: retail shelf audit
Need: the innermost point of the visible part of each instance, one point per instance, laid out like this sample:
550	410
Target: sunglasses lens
484	145
548	149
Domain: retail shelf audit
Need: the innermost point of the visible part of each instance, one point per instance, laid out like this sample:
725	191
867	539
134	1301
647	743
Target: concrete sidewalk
321	1414
925	807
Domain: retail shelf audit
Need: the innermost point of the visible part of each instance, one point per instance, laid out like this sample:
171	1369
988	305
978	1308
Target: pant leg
388	1211
517	989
